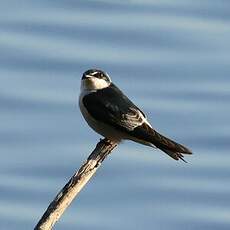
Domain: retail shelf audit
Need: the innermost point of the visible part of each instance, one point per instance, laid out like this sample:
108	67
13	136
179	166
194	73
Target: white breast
103	129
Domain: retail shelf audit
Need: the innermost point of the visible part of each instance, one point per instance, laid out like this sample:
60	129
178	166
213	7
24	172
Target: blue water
173	60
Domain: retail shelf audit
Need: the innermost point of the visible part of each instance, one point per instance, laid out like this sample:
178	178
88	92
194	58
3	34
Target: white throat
93	83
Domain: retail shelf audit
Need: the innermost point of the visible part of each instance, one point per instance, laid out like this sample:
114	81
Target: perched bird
111	114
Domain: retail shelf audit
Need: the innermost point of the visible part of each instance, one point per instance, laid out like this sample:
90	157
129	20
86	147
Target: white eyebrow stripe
92	74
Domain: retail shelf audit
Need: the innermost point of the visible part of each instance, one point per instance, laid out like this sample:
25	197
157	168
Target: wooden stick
74	185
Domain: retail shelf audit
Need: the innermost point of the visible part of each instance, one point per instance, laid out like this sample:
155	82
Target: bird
110	113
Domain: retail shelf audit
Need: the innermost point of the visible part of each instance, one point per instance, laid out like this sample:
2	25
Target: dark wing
112	107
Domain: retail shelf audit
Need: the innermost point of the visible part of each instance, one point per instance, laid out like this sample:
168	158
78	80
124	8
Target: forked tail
170	147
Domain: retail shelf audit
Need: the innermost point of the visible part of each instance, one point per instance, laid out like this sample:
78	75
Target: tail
145	134
170	147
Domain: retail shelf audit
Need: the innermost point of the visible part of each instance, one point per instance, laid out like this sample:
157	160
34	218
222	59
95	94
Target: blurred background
173	60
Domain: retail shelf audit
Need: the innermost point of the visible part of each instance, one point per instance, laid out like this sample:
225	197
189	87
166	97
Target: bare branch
75	184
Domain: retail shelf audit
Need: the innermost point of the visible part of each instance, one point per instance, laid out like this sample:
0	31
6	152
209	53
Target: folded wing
111	106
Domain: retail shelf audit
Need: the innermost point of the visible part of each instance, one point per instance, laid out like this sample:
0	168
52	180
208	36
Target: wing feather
111	106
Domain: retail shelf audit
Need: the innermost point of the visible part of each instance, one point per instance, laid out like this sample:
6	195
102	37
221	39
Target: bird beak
86	76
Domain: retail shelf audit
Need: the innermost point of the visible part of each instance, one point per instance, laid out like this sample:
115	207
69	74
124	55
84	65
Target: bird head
95	79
